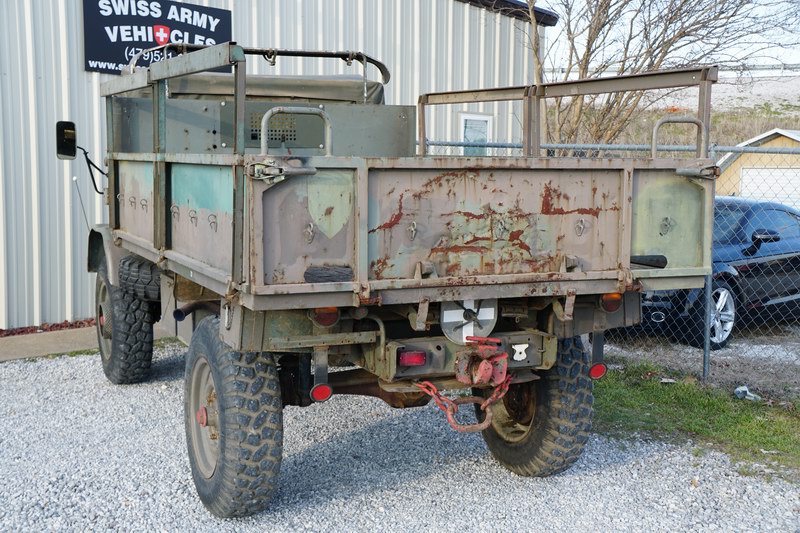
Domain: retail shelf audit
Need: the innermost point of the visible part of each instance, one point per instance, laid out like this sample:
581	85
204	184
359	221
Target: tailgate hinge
564	312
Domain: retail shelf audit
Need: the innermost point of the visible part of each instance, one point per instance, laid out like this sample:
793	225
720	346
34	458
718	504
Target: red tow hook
482	362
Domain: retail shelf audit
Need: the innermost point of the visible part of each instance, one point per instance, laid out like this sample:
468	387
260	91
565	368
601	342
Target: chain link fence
754	310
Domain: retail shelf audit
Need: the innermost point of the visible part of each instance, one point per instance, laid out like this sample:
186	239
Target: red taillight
598	370
325	316
412	358
321	392
611	302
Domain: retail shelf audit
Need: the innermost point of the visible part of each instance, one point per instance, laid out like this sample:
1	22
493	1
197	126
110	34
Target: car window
784	223
790	225
727	222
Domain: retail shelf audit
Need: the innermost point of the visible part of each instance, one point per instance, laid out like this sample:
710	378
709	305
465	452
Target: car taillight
412	358
325	316
611	302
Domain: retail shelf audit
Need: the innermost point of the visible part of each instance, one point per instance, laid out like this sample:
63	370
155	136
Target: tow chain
450	407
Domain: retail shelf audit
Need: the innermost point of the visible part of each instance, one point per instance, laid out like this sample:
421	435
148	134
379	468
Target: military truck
301	223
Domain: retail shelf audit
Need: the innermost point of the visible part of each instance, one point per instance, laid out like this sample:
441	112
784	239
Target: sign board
114	31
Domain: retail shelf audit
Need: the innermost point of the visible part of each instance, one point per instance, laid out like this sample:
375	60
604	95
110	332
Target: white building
429	45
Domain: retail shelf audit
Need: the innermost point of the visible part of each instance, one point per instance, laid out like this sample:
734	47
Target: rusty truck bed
361	220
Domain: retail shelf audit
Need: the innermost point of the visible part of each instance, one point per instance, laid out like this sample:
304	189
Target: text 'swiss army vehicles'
301	223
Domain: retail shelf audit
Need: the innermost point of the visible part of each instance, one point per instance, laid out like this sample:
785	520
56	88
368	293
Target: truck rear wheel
234	424
124	326
540	428
140	277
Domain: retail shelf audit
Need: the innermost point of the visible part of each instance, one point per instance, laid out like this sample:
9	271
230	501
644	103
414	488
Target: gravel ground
77	453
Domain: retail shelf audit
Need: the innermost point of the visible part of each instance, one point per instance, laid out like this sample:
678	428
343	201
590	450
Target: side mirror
66	140
759	237
765	235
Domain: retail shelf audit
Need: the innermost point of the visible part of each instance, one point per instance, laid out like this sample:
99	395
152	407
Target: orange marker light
611	302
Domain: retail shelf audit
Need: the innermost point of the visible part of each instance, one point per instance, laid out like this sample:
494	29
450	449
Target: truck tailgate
467	222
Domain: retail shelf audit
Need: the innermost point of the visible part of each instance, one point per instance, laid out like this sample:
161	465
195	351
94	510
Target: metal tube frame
532	95
281	110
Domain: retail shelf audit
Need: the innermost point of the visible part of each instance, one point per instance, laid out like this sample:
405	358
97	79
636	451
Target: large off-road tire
234	424
140	277
541	427
124	326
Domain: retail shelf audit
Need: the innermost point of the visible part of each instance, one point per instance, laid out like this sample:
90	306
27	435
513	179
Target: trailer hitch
482	362
450	406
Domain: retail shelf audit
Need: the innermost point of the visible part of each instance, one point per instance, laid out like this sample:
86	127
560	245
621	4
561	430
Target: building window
475	129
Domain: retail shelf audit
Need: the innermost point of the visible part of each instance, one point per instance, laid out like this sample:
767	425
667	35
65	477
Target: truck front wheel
234	424
124	331
540	428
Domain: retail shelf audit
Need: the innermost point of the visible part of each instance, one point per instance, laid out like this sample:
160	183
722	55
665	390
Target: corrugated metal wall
429	45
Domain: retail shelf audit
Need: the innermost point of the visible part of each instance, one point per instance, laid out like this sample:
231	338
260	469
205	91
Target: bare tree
605	37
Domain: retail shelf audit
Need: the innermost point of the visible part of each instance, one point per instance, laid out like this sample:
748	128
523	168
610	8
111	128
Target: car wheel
724	314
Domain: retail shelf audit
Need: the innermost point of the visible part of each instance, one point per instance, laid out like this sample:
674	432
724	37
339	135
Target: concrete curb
55	343
47	343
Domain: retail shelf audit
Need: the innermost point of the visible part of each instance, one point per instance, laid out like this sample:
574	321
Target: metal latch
708	173
272	172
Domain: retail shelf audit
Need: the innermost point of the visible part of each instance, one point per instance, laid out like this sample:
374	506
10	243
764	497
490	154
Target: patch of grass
75	353
167	341
634	400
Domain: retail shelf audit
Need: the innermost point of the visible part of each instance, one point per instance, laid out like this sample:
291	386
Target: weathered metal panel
136	198
465	222
309	229
669	218
201	213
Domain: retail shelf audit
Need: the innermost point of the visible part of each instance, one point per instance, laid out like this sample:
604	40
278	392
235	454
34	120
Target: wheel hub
203	405
202	417
105	322
514	416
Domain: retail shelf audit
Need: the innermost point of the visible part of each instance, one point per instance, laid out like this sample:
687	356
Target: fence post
708	288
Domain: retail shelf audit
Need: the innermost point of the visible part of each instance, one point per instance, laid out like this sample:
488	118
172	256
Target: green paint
137	177
202	187
330	200
660	197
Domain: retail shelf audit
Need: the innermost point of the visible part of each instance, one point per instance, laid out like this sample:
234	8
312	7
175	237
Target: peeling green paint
203	187
330	200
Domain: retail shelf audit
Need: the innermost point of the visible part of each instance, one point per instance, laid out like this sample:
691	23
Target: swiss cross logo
161	34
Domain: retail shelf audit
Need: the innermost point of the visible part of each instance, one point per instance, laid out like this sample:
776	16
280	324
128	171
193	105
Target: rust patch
395	218
372	300
475	239
437	180
328	211
549	208
515	237
469	215
378	266
458	249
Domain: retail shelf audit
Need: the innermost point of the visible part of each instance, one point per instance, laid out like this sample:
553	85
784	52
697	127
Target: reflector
325	316
321	392
597	371
412	358
611	302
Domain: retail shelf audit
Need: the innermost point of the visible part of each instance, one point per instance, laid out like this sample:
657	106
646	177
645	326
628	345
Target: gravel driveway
78	453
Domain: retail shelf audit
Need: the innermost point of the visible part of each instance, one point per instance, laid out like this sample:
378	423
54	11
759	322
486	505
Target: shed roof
728	159
517	9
